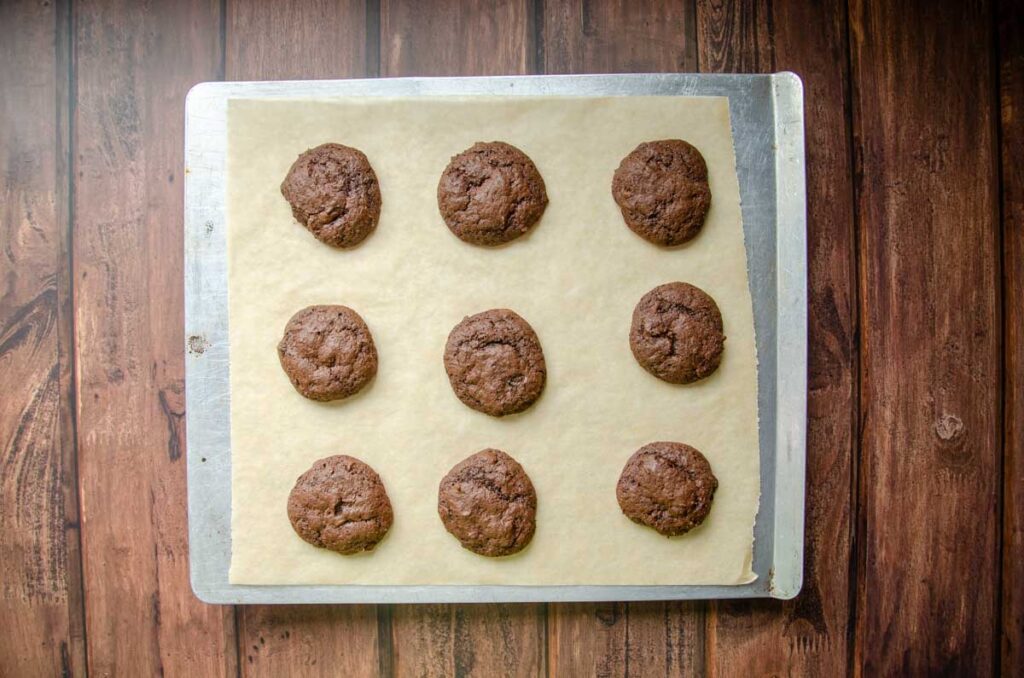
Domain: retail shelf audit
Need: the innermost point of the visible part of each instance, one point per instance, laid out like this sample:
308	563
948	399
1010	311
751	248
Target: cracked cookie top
340	504
662	190
491	194
488	503
667	486
676	333
333	192
495	363
327	352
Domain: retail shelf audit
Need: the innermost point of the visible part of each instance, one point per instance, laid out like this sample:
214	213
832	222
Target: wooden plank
808	635
735	36
505	640
134	64
471	37
665	639
41	595
468	640
316	640
626	639
1011	81
309	640
617	36
638	638
294	39
587	639
423	640
927	192
465	38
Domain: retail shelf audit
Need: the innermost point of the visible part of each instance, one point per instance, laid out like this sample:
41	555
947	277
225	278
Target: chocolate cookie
327	352
667	486
491	194
488	503
334	193
340	504
677	333
495	363
662	190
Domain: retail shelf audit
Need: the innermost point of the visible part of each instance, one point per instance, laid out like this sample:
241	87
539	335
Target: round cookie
327	352
488	503
676	333
340	504
333	192
667	486
495	363
491	194
662	190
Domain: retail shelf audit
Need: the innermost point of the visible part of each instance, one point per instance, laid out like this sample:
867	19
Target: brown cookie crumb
662	190
491	194
488	503
676	333
333	192
340	504
495	363
667	486
327	352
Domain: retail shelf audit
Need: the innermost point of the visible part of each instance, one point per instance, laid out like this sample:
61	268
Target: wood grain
609	639
735	36
134	65
626	639
315	640
40	598
445	37
808	635
296	39
666	639
468	640
506	640
619	36
587	639
924	125
423	640
1010	22
302	40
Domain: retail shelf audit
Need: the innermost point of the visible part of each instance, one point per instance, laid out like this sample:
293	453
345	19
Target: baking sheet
767	121
575	278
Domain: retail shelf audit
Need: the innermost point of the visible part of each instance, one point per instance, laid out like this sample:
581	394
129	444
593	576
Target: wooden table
915	540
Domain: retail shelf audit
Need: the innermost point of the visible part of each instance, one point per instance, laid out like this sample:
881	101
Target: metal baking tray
768	130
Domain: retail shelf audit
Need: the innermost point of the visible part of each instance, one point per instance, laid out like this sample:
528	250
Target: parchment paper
575	278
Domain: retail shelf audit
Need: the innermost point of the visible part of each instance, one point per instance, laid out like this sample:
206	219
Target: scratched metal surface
768	130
